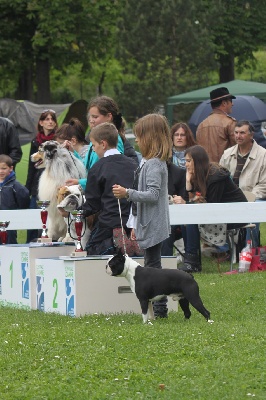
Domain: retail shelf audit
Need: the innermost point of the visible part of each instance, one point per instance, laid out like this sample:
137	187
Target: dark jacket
130	152
221	188
13	195
176	180
33	173
108	171
9	140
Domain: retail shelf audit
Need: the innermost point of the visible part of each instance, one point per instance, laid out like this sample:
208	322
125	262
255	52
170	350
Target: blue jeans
168	244
192	239
255	232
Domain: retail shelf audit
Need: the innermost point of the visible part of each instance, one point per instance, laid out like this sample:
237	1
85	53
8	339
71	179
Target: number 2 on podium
55	285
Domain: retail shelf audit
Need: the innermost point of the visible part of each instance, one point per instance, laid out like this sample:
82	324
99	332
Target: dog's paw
210	321
66	239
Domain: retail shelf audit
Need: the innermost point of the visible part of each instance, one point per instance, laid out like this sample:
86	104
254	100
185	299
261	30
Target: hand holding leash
119	192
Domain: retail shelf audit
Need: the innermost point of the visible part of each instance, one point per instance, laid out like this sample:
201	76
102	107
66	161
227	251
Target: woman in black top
215	185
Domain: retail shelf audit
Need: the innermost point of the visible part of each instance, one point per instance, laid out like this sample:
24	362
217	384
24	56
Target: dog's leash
123	235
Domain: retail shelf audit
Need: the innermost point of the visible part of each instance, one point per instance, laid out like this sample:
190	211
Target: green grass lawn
48	356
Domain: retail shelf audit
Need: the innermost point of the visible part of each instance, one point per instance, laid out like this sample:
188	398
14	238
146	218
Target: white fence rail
180	214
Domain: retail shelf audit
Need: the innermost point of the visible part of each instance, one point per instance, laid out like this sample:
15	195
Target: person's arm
22	196
93	192
14	148
231	134
153	175
215	192
260	188
31	169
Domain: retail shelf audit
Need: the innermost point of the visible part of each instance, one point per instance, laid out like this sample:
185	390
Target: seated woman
215	185
182	138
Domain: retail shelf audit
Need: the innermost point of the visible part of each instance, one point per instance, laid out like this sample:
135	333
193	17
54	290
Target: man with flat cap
216	132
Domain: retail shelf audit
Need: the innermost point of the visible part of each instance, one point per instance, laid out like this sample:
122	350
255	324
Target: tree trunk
43	81
100	86
227	68
25	86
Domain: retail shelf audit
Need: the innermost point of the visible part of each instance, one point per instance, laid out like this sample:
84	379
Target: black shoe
159	316
191	263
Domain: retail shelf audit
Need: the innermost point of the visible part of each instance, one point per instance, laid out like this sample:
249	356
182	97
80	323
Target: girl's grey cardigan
153	223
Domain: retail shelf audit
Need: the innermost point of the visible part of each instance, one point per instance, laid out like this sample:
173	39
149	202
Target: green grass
48	356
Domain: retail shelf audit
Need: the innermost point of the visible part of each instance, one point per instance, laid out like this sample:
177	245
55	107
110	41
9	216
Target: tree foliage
140	51
162	45
237	30
56	34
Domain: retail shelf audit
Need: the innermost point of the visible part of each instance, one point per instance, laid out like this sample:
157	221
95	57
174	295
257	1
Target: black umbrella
244	107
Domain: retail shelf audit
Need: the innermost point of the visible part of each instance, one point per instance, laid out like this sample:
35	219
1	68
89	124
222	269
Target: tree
162	46
55	35
237	30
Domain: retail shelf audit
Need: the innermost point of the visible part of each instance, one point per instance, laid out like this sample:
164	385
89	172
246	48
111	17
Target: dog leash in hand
123	236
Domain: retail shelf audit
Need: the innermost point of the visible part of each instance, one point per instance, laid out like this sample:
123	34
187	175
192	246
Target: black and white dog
150	284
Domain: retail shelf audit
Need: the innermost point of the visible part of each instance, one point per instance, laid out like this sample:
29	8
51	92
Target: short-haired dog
150	284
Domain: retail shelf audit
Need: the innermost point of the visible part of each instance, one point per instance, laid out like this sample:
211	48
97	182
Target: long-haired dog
60	165
150	284
70	198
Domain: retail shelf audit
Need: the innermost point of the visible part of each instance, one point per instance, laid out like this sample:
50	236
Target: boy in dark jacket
112	168
13	195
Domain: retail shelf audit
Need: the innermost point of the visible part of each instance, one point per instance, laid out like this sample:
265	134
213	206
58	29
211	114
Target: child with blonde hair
149	196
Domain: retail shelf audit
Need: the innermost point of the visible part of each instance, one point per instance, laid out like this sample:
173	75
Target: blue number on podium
55	284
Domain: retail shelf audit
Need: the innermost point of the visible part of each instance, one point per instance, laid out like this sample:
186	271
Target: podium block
76	287
17	271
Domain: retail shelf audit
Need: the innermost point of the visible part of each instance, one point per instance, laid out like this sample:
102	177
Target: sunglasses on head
48	110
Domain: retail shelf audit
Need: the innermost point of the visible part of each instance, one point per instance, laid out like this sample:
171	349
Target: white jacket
253	175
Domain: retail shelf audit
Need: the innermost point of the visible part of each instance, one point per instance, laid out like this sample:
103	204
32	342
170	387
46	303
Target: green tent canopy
236	87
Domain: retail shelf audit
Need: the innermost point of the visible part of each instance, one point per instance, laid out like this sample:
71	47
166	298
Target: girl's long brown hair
202	168
153	134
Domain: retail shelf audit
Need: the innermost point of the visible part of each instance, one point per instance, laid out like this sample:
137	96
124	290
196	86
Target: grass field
48	356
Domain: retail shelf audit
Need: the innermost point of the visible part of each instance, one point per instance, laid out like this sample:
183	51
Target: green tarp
236	87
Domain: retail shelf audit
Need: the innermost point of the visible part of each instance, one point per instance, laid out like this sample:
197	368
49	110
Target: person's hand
68	145
188	176
62	211
132	234
119	191
71	182
178	200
